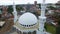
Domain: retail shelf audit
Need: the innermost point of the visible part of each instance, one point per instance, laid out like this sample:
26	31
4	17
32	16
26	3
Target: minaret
42	19
14	12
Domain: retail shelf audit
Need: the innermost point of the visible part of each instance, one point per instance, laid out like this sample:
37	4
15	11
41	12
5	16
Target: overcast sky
39	1
25	1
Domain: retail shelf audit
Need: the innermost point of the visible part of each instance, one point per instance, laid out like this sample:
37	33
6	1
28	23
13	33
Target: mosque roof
27	19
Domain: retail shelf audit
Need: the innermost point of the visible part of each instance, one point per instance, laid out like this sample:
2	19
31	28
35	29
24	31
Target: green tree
56	15
39	6
52	8
10	9
19	8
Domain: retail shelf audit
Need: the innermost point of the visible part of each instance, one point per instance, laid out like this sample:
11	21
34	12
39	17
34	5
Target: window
27	25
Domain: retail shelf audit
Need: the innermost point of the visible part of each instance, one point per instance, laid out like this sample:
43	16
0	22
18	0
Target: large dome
27	19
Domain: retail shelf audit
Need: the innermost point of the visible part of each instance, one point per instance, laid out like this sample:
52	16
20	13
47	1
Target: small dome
27	19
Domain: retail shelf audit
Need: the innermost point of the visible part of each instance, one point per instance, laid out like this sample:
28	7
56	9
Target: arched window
29	32
23	25
19	32
27	25
34	32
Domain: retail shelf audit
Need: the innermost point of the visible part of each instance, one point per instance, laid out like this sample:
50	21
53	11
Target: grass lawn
50	28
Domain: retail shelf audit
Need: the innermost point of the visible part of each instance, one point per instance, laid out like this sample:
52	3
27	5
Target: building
27	27
28	23
33	8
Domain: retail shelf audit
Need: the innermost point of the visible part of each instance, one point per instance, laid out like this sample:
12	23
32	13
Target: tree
39	6
56	15
19	8
52	8
10	9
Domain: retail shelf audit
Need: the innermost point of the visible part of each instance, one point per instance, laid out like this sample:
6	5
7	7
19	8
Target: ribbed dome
27	19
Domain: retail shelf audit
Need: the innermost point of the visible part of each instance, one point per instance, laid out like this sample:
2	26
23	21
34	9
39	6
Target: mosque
28	23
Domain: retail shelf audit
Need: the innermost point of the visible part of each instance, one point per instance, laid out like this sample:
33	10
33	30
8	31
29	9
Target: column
31	32
21	32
